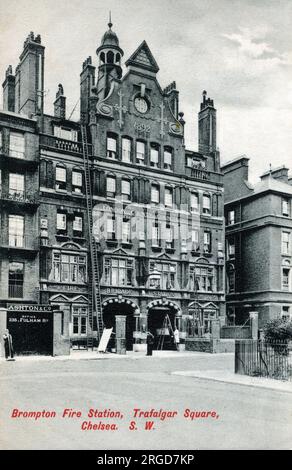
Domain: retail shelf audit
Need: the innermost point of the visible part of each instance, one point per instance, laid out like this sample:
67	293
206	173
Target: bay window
118	272
69	267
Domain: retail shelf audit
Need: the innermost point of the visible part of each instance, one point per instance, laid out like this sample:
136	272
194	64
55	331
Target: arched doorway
113	307
162	321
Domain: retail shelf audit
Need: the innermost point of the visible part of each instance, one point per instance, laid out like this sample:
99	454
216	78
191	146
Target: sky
238	50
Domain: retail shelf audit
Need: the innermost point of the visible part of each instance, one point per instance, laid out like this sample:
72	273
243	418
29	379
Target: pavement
224	376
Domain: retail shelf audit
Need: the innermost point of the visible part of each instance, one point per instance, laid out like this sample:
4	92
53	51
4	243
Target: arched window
102	57
110	57
118	57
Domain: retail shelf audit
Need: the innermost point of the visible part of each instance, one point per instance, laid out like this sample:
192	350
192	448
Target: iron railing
62	144
19	196
262	358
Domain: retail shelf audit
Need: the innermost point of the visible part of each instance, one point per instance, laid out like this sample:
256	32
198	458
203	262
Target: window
154	155
126	231
60	177
61	221
78	224
16	230
206	204
155	194
169	237
77	181
286	275
285	207
168	197
167	157
110	227
111	147
126	190
65	133
79	315
15	280
126	149
207	242
1	141
111	186
156	234
230	217
230	248
195	240
69	267
140	152
285	243
167	275
16	184
286	313
16	145
202	278
230	271
119	271
194	202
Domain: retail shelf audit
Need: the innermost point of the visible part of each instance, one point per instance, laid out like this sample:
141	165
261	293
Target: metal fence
260	358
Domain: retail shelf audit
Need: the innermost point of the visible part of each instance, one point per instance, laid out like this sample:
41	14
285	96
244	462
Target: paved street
249	417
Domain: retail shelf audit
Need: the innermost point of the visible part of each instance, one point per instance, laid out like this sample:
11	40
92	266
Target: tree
278	330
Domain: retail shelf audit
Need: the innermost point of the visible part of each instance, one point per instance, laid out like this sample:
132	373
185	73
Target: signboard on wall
31	327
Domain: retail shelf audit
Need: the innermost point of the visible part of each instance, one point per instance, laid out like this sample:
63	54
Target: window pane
140	150
154	155
168	197
16	145
167	157
111	185
16	183
61	221
60	174
126	187
154	194
111	144
126	150
76	178
77	224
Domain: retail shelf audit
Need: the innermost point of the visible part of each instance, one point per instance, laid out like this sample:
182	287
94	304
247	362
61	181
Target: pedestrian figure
176	338
150	343
8	345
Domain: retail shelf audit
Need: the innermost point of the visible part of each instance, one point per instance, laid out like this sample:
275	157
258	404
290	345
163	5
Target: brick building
157	207
258	243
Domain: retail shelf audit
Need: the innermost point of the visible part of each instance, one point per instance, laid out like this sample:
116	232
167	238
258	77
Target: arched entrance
113	307
162	321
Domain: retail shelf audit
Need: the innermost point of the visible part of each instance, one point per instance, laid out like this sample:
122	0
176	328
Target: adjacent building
158	208
258	243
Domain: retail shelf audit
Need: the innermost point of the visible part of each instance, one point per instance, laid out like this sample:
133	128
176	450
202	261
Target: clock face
141	105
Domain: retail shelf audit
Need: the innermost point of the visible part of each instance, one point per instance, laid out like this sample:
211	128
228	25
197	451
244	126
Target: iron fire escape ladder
95	308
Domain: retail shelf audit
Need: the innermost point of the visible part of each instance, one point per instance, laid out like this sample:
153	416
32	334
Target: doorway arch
120	306
162	315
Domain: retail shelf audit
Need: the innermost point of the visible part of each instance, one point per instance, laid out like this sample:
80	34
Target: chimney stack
9	90
60	103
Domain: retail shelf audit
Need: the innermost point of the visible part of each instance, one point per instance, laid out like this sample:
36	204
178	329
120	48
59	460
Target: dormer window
111	147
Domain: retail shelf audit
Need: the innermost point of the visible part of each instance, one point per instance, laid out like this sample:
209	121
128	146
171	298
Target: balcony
21	198
21	243
68	146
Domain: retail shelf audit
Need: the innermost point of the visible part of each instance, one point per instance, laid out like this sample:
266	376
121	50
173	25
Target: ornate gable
143	58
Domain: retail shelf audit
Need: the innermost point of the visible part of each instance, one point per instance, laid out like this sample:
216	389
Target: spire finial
270	168
110	20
